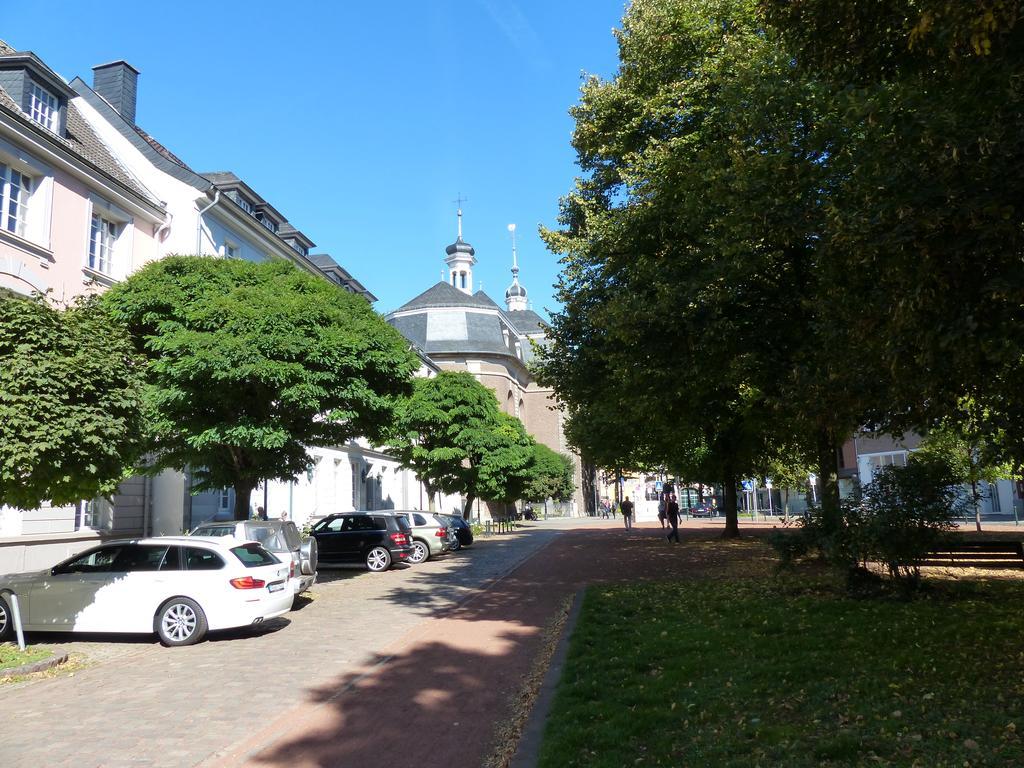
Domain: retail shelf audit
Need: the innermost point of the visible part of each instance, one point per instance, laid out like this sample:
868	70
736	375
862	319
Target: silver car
429	535
279	537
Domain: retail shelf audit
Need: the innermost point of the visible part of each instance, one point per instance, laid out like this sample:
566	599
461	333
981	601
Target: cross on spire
459	200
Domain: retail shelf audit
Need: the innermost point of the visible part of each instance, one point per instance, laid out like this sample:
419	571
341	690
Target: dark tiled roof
81	140
443	294
527	322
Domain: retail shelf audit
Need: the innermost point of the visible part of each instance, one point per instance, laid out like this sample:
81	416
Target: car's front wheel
6	621
378	559
180	621
420	552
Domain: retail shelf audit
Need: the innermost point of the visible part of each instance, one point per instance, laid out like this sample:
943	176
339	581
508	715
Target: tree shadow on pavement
435	698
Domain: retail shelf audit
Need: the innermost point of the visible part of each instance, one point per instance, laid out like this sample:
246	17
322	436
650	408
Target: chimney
116	82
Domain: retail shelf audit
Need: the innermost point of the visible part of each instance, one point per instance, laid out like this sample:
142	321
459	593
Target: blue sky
362	122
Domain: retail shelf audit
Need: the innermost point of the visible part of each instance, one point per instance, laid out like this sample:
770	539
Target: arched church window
463	279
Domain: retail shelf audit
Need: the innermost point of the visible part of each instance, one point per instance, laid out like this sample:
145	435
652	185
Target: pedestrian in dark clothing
627	513
672	513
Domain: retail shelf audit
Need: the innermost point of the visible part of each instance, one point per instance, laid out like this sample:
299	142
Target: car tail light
291	570
441	533
248	582
399	539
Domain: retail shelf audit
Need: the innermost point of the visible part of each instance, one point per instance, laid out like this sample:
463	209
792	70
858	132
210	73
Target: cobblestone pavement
138	704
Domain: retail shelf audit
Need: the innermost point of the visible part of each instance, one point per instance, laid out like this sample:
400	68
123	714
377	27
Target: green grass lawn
789	672
11	656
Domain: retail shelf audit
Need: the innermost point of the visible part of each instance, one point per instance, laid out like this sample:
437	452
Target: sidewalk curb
37	666
528	751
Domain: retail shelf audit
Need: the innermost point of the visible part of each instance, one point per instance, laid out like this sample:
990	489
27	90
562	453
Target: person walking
661	512
672	513
627	513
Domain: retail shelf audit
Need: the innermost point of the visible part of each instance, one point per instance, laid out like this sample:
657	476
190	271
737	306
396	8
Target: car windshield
273	539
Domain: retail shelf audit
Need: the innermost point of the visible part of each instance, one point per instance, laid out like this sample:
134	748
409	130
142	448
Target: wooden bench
978	554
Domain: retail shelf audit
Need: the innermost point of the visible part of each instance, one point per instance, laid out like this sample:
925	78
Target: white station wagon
176	586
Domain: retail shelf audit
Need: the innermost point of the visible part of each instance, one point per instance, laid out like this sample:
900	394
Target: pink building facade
73	220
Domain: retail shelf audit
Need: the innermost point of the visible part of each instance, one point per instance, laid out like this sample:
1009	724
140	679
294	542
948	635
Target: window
297	248
252	556
231	251
97	560
102	237
204	559
463	274
138	557
244	204
897	459
43	107
15	188
225	499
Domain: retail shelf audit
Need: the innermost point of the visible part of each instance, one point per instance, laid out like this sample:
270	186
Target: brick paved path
409	668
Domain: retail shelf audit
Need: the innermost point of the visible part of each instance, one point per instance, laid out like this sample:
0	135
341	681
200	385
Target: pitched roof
527	322
80	139
443	294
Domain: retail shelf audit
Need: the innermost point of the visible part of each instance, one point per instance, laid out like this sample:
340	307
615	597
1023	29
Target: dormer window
297	247
44	107
244	204
267	222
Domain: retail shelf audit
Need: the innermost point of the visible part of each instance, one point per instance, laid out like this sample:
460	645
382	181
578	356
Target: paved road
144	705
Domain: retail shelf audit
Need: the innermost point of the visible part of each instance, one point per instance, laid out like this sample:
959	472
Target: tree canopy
70	402
551	476
250	364
453	435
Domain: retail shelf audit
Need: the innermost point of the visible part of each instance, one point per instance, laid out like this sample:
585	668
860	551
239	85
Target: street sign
748	485
659	486
768	483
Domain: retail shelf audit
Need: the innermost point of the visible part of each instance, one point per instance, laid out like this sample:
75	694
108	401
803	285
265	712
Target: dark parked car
704	510
457	524
377	540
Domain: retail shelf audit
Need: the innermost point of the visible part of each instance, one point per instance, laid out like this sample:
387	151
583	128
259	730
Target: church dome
515	290
460	246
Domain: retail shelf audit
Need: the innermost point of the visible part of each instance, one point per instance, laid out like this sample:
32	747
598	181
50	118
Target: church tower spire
515	296
461	258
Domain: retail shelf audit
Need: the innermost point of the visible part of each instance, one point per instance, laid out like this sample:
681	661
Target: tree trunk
618	489
976	498
828	476
786	504
467	512
431	501
732	520
243	493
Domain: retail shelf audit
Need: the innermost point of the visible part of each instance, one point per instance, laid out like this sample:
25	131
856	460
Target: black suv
376	539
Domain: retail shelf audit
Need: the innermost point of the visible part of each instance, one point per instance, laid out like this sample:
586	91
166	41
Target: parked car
376	539
429	535
279	537
460	532
704	510
176	586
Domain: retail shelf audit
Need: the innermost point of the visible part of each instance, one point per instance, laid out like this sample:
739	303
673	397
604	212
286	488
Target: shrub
907	513
901	516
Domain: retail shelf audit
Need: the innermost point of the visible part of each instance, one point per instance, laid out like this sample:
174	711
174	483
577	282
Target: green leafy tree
971	452
551	476
453	435
925	223
504	459
70	402
249	365
693	286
